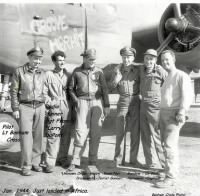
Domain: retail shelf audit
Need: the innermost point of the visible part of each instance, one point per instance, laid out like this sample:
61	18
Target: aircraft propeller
177	25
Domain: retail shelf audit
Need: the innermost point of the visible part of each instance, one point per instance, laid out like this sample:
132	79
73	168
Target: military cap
89	53
127	51
151	52
36	51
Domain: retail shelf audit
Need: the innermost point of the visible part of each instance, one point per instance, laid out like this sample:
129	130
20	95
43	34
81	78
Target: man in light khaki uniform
176	98
27	101
59	125
89	93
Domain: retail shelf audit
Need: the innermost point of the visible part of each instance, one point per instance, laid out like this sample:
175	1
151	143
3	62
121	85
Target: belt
127	95
33	104
86	97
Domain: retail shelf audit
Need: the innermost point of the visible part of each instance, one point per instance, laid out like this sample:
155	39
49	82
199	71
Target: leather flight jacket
88	84
27	87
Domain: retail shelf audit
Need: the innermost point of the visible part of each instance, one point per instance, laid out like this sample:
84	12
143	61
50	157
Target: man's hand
118	76
180	118
106	111
47	101
52	103
16	114
140	97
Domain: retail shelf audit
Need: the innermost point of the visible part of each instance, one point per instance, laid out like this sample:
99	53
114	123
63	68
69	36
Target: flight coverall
27	97
89	92
59	116
150	90
127	110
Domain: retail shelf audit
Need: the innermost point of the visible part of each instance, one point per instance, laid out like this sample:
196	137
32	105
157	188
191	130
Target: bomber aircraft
105	27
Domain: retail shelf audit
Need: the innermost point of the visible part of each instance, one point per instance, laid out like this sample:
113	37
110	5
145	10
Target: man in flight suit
27	101
151	79
59	124
89	93
126	79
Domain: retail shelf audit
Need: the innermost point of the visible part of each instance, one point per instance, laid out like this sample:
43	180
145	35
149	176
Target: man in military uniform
151	79
59	119
27	101
88	91
126	79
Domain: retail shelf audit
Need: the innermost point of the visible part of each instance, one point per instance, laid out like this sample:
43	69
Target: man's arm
104	90
71	87
187	93
14	91
163	74
115	78
187	96
46	89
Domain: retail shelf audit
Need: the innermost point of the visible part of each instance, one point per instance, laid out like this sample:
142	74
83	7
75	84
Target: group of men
54	94
152	102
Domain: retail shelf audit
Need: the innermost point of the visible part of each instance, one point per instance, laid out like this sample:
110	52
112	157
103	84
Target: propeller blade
177	10
192	28
164	44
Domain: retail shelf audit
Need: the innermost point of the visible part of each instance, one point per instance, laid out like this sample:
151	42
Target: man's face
149	61
60	62
89	62
35	61
168	61
127	60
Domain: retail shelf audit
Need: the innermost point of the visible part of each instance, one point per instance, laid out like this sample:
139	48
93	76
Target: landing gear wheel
8	126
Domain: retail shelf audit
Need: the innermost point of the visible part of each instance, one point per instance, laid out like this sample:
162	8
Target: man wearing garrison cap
125	78
27	101
89	93
152	77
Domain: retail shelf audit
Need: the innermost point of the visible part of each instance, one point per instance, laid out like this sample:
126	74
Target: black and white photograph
99	98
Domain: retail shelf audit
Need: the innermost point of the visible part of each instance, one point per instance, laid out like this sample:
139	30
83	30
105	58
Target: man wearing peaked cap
127	51
37	51
90	53
152	77
27	101
89	92
125	79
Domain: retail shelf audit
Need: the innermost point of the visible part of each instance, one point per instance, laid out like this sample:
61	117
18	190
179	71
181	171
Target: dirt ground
122	181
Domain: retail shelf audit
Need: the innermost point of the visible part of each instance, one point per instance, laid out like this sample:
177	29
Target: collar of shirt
125	68
87	70
28	68
152	71
59	72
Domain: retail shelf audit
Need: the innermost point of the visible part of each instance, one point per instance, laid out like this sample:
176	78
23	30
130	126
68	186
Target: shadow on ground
10	161
191	129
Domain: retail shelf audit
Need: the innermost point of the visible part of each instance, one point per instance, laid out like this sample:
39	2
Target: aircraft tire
7	125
